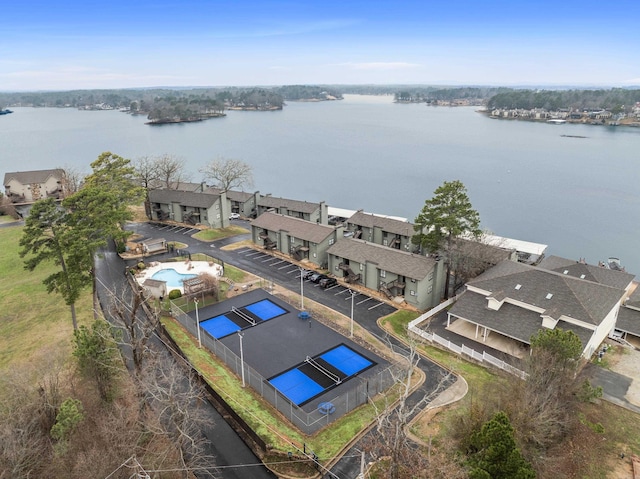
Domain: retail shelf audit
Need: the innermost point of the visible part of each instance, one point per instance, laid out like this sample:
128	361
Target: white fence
462	349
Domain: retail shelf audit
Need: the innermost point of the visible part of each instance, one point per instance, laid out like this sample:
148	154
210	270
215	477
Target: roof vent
518	286
549	295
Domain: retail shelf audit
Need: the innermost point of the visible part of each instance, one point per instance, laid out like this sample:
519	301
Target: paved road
366	310
223	442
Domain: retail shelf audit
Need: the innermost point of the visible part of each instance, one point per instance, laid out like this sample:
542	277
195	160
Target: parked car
307	273
328	282
316	278
234	216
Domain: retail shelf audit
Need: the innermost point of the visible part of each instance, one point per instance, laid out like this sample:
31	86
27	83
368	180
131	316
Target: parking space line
293	270
270	258
279	262
373	307
364	300
253	253
332	287
343	291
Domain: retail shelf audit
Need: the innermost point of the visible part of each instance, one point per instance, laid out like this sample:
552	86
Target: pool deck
182	267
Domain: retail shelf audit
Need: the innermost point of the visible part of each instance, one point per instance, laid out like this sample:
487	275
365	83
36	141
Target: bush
175	294
141	265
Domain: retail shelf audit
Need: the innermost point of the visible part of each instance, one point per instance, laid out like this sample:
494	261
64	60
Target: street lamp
241	334
195	300
353	295
301	289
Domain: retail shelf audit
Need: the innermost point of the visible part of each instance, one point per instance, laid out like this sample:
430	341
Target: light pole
195	300
241	334
353	295
301	290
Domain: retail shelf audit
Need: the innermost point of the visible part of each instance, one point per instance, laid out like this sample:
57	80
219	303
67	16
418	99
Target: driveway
620	381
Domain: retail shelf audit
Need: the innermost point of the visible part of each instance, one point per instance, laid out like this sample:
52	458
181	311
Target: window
361	267
337	268
331	240
383	273
518	286
292	239
412	293
430	289
385	242
217	206
431	276
218	216
549	296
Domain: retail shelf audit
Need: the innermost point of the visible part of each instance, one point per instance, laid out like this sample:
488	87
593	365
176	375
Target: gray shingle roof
296	227
411	265
510	320
233	195
597	274
485	253
628	320
556	293
386	224
186	198
35	176
291	205
634	298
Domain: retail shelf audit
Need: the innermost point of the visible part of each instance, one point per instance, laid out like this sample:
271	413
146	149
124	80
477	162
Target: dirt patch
626	361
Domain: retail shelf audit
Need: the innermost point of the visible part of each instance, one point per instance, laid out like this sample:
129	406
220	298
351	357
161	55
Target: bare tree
137	326
404	458
72	180
146	172
170	170
228	173
174	396
7	207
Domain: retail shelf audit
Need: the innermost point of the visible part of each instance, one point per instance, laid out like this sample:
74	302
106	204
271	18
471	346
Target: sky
73	44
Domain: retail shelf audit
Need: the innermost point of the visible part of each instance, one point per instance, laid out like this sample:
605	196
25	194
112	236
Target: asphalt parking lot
366	309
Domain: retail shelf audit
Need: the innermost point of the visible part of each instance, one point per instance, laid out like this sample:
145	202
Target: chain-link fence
362	388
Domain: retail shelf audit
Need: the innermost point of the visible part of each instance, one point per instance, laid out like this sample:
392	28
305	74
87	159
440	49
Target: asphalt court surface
284	342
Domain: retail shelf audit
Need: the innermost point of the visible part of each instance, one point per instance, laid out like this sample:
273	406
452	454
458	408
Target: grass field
33	323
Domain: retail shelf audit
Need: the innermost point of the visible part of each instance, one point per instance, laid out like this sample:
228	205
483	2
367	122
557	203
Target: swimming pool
172	277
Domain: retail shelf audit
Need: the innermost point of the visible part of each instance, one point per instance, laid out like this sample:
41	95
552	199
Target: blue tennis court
346	360
219	326
317	375
241	318
265	309
296	386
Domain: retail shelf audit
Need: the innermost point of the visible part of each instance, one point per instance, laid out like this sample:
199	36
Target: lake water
581	196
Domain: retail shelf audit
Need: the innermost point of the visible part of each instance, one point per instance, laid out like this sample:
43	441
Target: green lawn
34	324
219	233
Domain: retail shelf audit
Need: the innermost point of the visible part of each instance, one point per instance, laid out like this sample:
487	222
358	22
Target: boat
614	264
556	121
6	111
